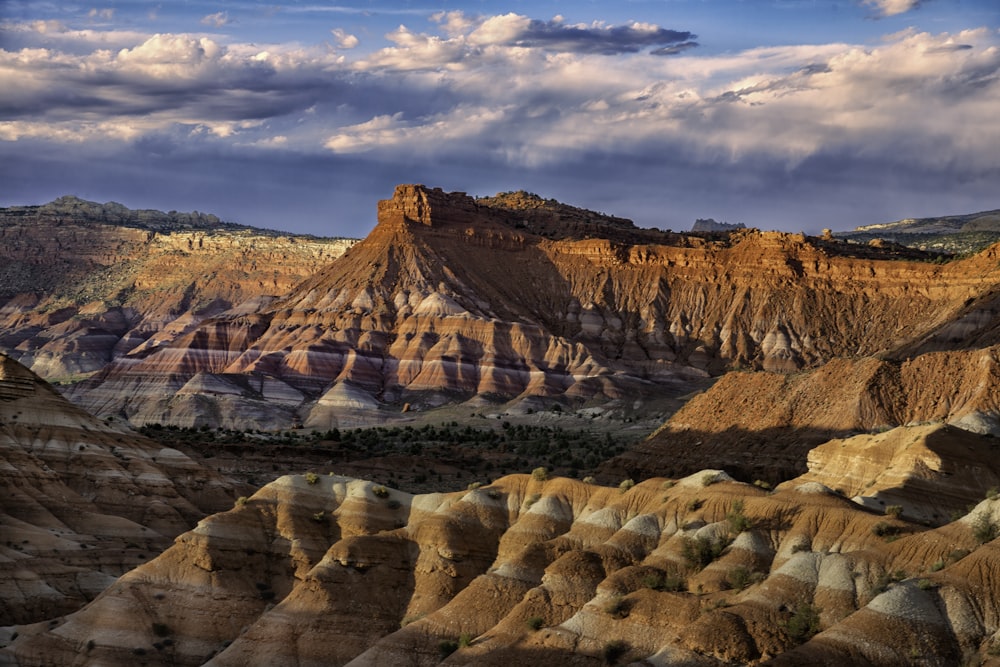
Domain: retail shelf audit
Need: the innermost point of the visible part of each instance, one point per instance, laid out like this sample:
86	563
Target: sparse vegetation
664	581
540	474
614	651
698	552
893	511
535	623
737	520
709	478
694	504
625	485
241	501
380	491
311	478
984	529
616	607
804	623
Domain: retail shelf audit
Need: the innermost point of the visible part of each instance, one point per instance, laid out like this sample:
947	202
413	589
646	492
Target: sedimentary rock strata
82	501
702	570
451	298
83	284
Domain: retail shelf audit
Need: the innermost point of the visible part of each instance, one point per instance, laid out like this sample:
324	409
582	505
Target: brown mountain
517	298
83	501
698	571
82	284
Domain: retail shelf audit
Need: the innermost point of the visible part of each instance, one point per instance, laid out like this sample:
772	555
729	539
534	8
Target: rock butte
453	299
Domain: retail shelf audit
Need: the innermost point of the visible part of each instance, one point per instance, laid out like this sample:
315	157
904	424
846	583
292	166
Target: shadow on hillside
773	455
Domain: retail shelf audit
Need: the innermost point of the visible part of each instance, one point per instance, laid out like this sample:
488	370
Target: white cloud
344	39
216	20
892	7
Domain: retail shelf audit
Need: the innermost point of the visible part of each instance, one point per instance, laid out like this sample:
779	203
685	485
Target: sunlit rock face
452	298
83	284
702	570
83	501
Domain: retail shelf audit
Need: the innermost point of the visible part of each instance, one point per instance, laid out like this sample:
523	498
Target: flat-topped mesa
427	206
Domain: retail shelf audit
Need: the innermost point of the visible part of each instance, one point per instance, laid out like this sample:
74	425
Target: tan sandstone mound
701	570
81	501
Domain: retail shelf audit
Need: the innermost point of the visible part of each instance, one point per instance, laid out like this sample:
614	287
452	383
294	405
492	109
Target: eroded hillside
326	570
452	299
81	501
82	284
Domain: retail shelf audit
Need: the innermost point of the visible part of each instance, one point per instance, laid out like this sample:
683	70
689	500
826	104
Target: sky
780	114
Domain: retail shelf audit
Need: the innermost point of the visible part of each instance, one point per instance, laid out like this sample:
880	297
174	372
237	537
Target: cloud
595	38
524	98
887	8
344	39
216	20
103	14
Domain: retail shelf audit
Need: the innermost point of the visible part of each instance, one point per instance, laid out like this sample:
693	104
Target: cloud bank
509	94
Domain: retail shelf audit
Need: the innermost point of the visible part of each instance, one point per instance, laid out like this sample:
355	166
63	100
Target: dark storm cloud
609	40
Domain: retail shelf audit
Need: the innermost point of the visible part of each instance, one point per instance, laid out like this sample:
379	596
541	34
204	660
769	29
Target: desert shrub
626	484
925	584
761	484
886	530
957	555
709	478
739	578
380	491
893	511
937	565
535	622
616	607
311	477
241	501
664	582
319	516
540	474
695	504
669	484
614	651
474	485
589	479
738	522
983	529
804	623
446	647
992	493
494	493
465	639
698	552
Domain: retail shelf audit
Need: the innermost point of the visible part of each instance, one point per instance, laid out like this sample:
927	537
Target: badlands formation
864	407
524	302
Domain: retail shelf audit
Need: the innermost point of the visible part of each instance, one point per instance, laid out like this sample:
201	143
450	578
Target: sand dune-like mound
702	570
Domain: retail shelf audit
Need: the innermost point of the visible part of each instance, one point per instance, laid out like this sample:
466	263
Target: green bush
380	491
698	552
535	623
311	477
626	484
983	529
540	474
804	623
738	522
894	511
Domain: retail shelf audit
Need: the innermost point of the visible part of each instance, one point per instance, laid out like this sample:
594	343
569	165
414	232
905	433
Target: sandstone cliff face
452	298
331	571
763	425
81	501
82	284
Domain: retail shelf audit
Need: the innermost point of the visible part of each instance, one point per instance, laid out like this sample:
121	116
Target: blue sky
781	114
